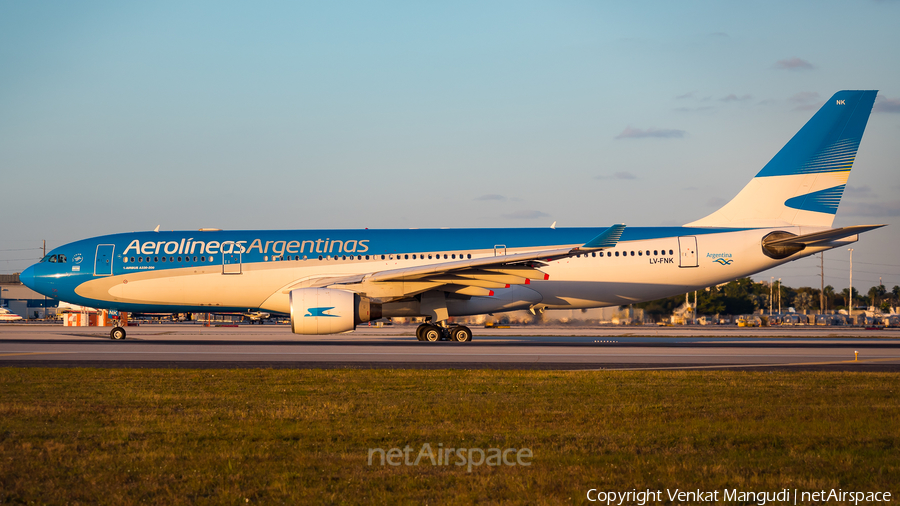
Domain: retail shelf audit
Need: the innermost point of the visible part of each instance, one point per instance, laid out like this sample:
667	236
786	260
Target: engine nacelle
327	311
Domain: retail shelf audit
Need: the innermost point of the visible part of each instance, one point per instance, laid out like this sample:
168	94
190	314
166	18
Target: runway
548	348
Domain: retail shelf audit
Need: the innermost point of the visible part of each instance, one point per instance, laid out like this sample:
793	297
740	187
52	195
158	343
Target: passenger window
203	259
156	259
655	252
617	253
632	253
671	252
469	255
406	257
382	257
640	253
367	257
163	259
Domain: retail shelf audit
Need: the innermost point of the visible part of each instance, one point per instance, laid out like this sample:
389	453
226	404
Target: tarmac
526	347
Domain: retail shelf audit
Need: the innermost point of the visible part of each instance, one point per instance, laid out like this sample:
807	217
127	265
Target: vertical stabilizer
803	183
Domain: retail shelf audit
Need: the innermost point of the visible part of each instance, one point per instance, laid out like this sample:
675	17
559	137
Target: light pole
779	295
771	283
822	288
850	293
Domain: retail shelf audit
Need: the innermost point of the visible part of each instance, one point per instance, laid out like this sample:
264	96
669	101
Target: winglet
607	239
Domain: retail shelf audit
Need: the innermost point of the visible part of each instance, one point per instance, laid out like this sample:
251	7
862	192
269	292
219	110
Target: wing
474	277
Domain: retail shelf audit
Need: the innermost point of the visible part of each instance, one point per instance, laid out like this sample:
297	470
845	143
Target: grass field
176	436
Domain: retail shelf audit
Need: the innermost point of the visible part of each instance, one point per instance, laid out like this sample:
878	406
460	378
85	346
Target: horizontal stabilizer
822	237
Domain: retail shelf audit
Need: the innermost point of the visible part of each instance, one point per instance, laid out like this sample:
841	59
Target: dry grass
176	436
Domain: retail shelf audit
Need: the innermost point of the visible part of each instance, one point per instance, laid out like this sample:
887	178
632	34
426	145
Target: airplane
7	316
65	308
255	316
330	281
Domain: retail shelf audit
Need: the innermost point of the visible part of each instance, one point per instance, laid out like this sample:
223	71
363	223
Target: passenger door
103	260
687	247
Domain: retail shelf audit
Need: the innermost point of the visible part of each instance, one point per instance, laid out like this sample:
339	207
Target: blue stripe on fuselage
258	244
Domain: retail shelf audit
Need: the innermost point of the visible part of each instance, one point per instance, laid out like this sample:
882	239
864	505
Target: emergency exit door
231	263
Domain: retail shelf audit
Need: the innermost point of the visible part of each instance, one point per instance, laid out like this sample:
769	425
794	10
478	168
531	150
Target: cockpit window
52	259
61	259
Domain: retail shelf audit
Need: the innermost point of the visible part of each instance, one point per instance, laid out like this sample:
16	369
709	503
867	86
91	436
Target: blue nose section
27	277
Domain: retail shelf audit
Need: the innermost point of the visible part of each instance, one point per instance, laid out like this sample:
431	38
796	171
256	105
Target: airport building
23	301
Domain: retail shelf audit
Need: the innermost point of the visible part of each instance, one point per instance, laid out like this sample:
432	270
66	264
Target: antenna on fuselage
553	226
156	229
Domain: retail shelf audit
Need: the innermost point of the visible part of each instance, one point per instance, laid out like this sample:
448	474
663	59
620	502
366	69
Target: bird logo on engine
319	311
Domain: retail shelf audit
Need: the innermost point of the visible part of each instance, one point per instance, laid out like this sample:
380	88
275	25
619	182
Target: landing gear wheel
420	330
432	333
461	334
117	333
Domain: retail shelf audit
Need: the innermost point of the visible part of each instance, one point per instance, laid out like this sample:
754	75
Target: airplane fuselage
241	270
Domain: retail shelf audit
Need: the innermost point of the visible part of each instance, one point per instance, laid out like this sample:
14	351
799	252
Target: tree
876	292
804	301
845	292
829	296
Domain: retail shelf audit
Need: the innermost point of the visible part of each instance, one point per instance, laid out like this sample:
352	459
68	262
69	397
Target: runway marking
420	353
742	365
36	353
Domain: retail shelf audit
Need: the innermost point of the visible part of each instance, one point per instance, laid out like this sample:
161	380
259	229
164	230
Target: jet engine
327	311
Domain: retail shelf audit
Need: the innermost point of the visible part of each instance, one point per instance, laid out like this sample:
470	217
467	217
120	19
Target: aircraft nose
27	277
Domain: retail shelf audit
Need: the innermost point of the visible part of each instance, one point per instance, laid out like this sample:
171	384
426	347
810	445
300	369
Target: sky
121	116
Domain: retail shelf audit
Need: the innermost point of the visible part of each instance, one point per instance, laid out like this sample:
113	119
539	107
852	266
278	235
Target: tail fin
803	183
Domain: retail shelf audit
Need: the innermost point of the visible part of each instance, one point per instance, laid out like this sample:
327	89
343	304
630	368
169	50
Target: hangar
24	301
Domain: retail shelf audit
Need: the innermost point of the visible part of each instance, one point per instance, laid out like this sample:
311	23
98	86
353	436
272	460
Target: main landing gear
429	332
